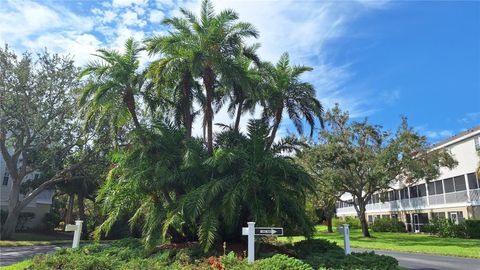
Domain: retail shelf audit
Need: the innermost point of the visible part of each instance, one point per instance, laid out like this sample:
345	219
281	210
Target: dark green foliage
353	222
23	220
388	225
472	227
282	262
50	221
444	227
321	253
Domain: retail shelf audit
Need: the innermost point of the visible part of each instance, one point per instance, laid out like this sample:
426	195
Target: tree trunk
276	123
187	102
239	115
329	224
208	78
14	210
363	219
82	216
129	101
69	214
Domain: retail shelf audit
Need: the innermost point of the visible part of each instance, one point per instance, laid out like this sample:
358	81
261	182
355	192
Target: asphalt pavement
417	261
11	255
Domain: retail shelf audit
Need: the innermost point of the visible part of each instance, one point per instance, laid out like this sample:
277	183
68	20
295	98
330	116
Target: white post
346	239
77	233
251	242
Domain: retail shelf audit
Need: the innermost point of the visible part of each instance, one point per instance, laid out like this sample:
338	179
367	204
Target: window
438	187
472	181
460	183
394	216
370	219
431	188
422	191
477	143
449	185
386	216
438	215
5	179
404	193
414	192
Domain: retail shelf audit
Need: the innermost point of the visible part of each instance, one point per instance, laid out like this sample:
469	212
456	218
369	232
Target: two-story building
455	194
38	206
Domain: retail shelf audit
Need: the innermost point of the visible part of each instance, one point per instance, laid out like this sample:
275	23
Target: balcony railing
420	202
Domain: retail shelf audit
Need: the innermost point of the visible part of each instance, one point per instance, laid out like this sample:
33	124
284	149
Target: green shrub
353	222
444	227
388	225
320	253
472	228
281	262
23	219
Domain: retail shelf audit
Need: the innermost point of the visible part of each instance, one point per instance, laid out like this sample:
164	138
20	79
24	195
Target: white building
38	206
455	194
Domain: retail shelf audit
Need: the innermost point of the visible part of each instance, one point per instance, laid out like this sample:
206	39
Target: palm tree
250	181
244	91
174	82
114	82
214	41
287	92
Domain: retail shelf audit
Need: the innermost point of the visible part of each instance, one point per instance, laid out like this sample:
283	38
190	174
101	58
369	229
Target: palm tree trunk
276	123
187	103
239	114
208	77
129	101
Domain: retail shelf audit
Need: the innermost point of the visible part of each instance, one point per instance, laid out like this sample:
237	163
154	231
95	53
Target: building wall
39	206
467	202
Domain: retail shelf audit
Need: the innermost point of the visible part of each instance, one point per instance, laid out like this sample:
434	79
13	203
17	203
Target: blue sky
377	59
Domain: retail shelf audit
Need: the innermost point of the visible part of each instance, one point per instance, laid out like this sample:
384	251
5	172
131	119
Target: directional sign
268	231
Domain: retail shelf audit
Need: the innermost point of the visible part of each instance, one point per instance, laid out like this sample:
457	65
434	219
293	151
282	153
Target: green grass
403	242
17	266
34	239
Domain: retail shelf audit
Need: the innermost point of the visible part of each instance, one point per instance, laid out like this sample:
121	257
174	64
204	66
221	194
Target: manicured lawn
31	239
17	266
405	242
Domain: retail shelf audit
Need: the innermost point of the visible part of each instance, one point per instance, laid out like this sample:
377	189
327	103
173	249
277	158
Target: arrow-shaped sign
268	231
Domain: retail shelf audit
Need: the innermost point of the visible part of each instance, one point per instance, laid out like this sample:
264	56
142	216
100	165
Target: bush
388	225
50	221
320	253
23	219
281	262
472	228
353	222
444	227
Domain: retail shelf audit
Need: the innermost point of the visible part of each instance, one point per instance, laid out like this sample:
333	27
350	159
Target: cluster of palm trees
180	187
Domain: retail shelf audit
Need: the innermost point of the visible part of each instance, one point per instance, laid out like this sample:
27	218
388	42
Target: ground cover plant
404	242
130	254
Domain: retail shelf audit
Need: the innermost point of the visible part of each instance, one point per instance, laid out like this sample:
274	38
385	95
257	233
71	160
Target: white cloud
131	18
156	16
438	134
470	118
126	3
109	16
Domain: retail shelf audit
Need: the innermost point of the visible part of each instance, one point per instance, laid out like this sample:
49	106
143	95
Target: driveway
416	261
11	255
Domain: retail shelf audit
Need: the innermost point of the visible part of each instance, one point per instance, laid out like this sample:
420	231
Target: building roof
458	136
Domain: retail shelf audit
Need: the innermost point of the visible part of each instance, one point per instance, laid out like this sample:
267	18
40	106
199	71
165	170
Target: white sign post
77	229
346	239
251	231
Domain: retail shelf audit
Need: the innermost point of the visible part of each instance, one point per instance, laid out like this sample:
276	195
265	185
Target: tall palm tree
287	92
214	41
173	77
114	82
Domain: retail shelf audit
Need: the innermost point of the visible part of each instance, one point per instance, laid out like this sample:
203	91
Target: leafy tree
360	158
286	91
114	81
149	178
37	128
250	181
214	41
